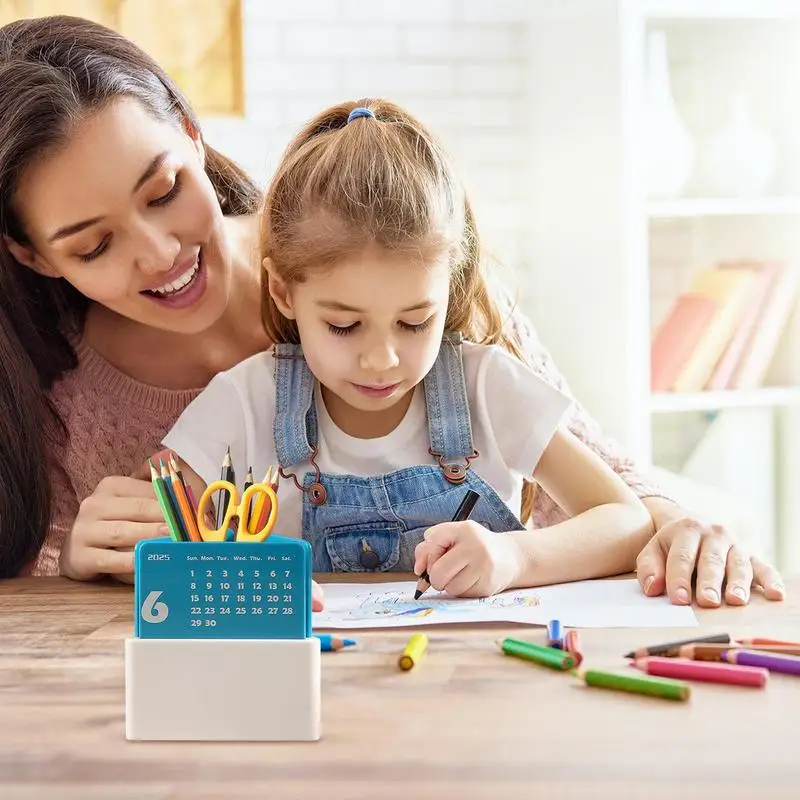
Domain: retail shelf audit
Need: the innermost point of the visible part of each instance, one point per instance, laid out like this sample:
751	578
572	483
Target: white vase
740	157
670	148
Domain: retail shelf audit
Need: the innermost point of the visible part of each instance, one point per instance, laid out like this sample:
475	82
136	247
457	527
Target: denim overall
357	524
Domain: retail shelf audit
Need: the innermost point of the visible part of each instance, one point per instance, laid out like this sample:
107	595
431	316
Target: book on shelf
723	331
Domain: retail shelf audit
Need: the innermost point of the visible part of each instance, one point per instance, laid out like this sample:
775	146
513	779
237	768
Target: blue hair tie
361	111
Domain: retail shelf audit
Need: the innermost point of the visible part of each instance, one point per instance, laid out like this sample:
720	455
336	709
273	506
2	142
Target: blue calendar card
223	590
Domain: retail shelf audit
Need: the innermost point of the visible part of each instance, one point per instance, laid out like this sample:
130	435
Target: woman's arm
607	526
546	510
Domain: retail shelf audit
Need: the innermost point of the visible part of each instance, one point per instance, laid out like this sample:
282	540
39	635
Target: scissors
245	511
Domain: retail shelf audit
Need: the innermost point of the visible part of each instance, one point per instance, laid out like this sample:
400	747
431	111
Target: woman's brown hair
380	180
54	72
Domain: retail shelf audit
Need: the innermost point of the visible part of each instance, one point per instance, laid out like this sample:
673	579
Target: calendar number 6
153	611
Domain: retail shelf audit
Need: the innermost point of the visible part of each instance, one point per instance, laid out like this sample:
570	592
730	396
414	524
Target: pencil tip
417	594
629	655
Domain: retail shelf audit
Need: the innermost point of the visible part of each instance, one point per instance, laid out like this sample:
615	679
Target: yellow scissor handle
249	506
207	504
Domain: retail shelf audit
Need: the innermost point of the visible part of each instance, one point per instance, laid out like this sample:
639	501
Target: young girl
377	403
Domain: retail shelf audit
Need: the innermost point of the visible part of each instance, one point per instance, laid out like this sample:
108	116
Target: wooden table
468	723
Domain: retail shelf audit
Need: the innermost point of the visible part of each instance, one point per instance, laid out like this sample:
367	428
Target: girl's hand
119	513
317	597
685	544
466	560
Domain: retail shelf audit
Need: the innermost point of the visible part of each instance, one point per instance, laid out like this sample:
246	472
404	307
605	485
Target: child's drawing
593	604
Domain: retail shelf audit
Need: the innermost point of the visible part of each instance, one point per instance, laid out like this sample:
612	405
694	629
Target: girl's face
371	328
127	215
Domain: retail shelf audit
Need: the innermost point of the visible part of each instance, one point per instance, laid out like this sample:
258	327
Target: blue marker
555	638
330	643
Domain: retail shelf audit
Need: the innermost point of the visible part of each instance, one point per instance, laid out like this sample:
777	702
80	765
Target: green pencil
166	506
546	656
668	688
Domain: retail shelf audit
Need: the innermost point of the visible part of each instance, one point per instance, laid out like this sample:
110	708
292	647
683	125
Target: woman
128	278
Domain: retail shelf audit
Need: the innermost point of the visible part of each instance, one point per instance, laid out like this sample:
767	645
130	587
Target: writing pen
462	513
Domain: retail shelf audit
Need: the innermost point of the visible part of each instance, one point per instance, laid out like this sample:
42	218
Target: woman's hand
683	544
466	560
119	513
317	597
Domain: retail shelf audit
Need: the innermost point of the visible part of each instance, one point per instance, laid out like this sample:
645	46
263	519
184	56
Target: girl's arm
608	524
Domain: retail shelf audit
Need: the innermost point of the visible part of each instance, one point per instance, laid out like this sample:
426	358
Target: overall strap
449	424
295	427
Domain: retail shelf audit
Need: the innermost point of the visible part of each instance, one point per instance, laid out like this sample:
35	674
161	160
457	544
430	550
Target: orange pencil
265	506
184	506
759	640
713	652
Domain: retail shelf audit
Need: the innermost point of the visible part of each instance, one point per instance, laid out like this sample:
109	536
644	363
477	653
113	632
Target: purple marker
774	662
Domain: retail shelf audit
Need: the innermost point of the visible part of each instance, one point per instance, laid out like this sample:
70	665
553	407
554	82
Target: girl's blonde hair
387	183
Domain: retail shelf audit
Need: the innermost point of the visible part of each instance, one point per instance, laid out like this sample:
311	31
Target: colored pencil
713	652
163	501
555	638
789	665
545	656
703	671
174	465
462	513
261	500
671	648
188	517
330	643
173	500
761	640
666	688
227	474
572	646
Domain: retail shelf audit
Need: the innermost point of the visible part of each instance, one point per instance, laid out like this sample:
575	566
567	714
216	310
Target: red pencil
709	671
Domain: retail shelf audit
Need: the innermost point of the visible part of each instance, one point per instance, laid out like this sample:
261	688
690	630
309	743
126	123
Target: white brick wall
459	65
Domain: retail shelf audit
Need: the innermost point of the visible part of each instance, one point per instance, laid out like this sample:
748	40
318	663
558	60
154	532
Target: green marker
667	688
166	506
539	654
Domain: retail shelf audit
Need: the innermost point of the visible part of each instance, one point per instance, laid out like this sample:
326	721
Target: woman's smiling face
126	213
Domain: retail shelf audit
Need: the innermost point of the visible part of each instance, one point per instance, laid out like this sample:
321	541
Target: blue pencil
174	502
330	643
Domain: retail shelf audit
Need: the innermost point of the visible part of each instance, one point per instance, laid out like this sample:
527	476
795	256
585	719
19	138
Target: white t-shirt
514	415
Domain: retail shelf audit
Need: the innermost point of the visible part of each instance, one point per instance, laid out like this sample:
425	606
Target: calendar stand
222	647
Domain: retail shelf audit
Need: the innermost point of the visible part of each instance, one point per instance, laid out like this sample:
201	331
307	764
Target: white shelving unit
608	261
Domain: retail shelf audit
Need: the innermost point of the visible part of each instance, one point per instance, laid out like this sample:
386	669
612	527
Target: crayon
572	646
761	640
462	513
555	638
666	688
330	643
703	671
545	656
713	652
414	651
789	665
671	648
163	501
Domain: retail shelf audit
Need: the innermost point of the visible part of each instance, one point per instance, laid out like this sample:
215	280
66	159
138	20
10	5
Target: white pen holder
222	647
222	689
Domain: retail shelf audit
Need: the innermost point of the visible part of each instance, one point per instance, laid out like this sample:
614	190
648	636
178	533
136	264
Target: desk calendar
222	647
223	590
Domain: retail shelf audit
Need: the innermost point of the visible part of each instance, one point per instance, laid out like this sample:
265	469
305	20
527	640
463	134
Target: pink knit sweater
115	423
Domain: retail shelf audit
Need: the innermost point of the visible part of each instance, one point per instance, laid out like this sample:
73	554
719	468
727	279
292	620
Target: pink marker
709	671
